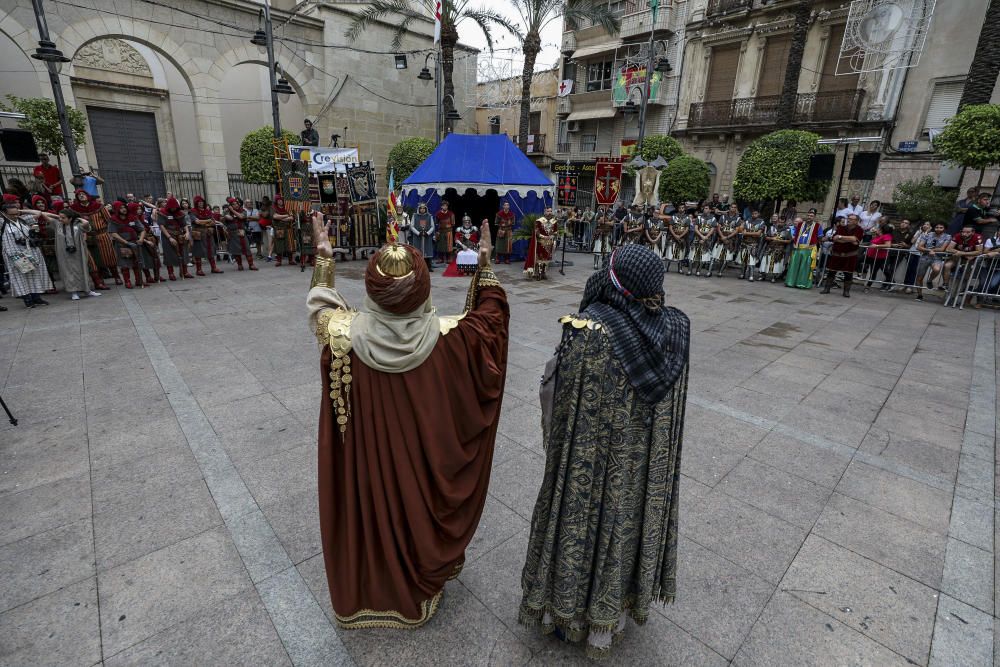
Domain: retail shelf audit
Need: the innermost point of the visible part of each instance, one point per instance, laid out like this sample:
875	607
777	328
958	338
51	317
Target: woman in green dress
603	543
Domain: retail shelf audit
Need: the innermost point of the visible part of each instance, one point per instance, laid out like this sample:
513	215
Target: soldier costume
307	250
174	238
602	239
541	248
102	252
727	245
234	222
420	233
282	221
203	235
702	243
653	234
678	232
748	256
126	241
466	236
776	240
635	227
505	234
445	223
149	255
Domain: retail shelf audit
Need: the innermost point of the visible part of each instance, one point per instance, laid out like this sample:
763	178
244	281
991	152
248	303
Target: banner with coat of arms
295	185
361	178
607	180
568	181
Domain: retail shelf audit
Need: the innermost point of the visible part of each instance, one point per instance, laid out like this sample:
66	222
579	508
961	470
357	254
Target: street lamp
263	39
54	59
439	99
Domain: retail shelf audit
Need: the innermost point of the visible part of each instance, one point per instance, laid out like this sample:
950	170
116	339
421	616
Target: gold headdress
394	262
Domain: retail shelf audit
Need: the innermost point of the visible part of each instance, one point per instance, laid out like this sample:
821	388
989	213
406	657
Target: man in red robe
402	488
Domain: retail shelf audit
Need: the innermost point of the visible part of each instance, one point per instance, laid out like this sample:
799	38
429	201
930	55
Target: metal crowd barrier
903	268
977	277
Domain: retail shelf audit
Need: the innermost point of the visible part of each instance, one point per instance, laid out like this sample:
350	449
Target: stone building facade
184	82
498	111
728	62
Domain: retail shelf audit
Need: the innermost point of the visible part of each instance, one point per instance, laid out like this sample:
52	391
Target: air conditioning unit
573	126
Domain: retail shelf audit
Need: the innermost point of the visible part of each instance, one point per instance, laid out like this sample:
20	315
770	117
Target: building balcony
810	109
640	22
723	7
568	43
536	144
564	105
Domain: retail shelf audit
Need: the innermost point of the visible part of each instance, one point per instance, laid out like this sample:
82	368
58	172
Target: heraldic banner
295	185
607	180
362	181
568	181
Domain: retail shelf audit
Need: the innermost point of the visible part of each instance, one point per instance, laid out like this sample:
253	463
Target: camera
70	249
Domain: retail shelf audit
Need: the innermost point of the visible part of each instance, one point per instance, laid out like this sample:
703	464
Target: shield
568	181
607	181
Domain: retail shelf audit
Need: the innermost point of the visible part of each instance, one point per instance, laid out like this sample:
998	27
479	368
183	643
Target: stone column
213	149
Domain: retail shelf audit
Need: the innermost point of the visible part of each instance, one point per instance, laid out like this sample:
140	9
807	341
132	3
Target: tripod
7	410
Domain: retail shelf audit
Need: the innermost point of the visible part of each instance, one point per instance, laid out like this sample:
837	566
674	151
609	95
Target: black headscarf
650	339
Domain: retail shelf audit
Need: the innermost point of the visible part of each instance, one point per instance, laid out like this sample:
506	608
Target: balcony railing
716	7
830	107
640	22
536	144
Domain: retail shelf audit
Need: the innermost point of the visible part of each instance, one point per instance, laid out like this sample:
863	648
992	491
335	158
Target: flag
437	21
565	87
655	6
392	225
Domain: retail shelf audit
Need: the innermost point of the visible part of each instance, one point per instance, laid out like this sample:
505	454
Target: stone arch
77	35
26	38
247	54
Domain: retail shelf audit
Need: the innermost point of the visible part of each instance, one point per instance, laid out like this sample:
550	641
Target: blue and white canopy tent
476	173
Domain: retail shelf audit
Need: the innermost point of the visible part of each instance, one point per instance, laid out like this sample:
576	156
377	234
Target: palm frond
487	19
376	11
600	14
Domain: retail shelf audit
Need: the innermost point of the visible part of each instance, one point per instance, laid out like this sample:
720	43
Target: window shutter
829	81
722	73
772	69
944	104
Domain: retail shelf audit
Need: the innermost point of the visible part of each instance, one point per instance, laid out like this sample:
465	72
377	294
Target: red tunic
844	255
401	496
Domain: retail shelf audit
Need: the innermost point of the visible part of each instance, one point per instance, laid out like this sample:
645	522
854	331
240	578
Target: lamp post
653	64
54	59
426	76
263	39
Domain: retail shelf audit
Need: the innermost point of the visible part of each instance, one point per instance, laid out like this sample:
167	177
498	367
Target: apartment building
608	72
728	63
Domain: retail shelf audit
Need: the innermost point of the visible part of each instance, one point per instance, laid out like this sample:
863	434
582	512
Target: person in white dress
22	254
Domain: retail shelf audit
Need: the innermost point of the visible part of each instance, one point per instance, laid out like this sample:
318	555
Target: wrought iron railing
716	7
564	147
536	143
24	173
837	106
120	182
255	192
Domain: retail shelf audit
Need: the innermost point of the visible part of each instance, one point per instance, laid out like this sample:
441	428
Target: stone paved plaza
158	499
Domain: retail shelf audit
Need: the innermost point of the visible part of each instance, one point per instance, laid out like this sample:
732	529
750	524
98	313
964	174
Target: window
830	81
772	69
588	143
599	76
944	104
535	122
722	73
494	124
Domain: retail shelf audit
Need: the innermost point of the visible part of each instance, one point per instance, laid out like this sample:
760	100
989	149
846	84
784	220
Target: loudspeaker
18	146
821	167
864	167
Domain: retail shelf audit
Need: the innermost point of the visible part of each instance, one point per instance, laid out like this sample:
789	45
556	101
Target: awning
603	47
592	114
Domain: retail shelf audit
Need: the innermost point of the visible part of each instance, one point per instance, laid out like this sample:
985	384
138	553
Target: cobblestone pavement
158	500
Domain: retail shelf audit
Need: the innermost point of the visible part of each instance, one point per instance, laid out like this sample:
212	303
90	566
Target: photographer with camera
68	229
20	243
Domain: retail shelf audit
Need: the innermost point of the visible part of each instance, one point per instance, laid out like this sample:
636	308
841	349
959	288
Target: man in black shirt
979	216
310	137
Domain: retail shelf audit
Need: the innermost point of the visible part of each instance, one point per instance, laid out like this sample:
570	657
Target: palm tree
793	68
453	12
535	15
986	63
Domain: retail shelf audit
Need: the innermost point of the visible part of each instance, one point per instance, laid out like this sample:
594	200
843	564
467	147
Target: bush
921	200
972	138
660	144
686	178
776	167
257	154
43	123
406	156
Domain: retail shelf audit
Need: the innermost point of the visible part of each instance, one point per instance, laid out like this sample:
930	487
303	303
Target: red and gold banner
607	180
